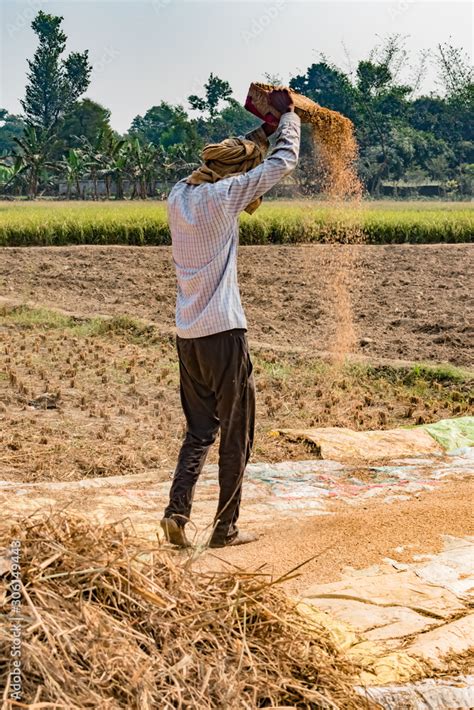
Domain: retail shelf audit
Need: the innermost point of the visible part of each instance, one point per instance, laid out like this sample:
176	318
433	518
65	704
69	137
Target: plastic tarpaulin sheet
452	434
395	617
340	444
451	694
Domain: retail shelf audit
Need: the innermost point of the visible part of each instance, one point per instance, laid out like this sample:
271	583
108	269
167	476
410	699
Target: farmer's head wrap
233	156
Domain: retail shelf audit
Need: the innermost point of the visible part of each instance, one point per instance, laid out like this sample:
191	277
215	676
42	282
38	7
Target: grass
26	317
279	222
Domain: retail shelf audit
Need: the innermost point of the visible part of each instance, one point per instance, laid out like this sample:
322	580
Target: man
216	380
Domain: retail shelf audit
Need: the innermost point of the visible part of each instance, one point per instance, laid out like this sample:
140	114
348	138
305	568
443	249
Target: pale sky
146	51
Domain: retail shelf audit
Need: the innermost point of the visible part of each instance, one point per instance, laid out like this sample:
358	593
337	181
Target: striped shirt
204	228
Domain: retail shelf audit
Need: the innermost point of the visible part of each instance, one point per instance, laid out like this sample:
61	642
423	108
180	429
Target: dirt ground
411	302
88	398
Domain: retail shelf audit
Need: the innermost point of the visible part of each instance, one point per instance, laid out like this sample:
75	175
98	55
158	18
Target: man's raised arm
235	193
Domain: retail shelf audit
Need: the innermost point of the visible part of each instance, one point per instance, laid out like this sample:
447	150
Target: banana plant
114	163
74	166
12	175
33	152
143	166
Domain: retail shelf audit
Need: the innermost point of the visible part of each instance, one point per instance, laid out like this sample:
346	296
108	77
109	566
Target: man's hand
281	100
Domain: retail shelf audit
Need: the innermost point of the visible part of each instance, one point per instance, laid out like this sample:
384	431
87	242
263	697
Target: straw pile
115	622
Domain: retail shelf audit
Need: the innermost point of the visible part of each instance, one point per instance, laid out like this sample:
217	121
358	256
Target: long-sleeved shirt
204	228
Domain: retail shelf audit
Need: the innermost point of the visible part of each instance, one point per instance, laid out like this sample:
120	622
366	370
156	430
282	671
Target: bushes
145	223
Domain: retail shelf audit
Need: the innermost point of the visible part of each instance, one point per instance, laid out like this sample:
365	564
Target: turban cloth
233	156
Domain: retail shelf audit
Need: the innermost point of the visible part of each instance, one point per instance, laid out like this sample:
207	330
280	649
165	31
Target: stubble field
92	327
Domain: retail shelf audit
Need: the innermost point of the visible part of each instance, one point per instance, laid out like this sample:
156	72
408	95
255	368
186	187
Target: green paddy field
46	222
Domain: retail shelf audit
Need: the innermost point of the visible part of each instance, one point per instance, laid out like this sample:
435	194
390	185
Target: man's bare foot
174	533
242	538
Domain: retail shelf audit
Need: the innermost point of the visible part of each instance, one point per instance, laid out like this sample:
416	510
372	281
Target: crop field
274	516
279	222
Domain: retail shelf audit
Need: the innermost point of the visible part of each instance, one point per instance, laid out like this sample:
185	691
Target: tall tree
54	84
328	86
456	74
233	120
382	104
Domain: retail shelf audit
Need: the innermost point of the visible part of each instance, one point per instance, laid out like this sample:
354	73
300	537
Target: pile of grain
112	621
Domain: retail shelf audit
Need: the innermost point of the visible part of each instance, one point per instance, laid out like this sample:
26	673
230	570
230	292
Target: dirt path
412	302
357	536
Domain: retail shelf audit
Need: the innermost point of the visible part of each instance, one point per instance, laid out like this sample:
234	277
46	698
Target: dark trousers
217	392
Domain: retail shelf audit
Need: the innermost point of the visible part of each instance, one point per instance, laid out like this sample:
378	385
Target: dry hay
112	621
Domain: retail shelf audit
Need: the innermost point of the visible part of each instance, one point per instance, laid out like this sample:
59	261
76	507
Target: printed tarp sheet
279	489
270	489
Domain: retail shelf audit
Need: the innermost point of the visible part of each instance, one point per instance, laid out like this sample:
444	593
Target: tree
105	157
165	125
142	166
54	84
12	175
216	90
175	163
86	119
328	86
74	167
382	106
456	74
449	117
233	120
117	165
11	127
